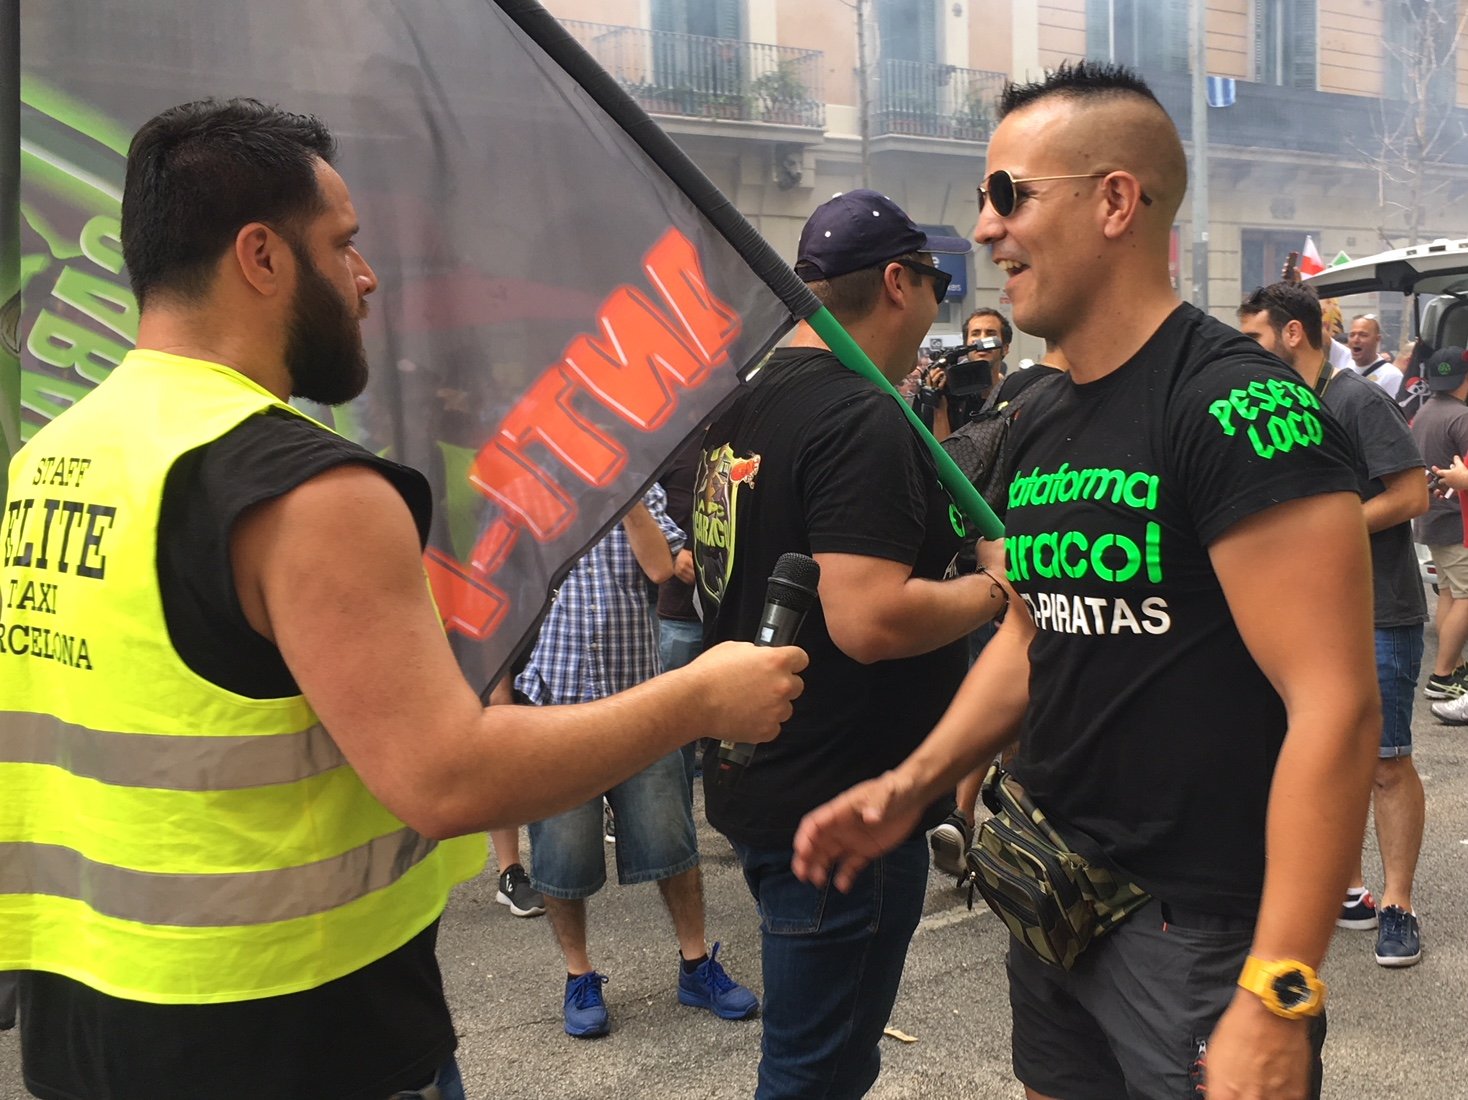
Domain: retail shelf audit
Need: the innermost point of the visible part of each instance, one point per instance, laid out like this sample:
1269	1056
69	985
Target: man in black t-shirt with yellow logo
1191	692
816	459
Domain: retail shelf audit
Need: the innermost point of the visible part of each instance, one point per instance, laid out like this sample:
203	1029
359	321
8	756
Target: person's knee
1391	772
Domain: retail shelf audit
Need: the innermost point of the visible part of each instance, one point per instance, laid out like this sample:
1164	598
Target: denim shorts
1398	663
679	642
1134	1016
655	835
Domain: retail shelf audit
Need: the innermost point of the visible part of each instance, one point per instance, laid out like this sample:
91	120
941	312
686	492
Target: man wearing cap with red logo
815	459
1441	431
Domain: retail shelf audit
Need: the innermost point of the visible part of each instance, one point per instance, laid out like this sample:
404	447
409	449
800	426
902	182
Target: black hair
1082	79
1286	302
200	171
1006	330
852	296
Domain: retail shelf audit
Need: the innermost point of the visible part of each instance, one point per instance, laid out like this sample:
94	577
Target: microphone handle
777	626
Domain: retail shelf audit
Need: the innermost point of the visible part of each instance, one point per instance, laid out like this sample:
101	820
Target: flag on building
1310	261
1222	91
563	296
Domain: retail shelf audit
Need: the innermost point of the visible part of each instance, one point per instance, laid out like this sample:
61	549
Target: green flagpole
959	487
9	235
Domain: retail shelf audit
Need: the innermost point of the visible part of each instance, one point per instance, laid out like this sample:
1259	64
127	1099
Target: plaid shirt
599	637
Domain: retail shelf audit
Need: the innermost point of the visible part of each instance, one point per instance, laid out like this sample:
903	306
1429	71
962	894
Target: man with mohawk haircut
1193	697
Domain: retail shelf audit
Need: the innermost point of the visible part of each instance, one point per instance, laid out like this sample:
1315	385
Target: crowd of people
1172	866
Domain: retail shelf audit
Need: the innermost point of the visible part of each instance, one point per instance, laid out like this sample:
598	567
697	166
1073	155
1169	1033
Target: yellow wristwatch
1288	988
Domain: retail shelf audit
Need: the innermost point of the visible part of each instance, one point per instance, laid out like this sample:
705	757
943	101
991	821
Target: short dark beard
323	351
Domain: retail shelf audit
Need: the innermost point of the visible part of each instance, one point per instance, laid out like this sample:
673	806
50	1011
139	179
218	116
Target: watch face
1291	989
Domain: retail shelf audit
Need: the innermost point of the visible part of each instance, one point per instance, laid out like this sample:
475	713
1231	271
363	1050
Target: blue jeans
678	643
832	964
447	1085
1398	662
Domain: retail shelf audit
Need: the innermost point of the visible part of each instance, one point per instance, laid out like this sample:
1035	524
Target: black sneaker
609	823
1357	912
949	842
515	891
1399	942
1450	686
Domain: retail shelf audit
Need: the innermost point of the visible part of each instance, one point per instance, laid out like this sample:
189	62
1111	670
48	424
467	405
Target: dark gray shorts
1134	1015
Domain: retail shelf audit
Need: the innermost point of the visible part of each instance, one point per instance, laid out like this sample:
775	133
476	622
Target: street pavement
1392	1033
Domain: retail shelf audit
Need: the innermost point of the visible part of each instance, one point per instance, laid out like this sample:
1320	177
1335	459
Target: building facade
1341	119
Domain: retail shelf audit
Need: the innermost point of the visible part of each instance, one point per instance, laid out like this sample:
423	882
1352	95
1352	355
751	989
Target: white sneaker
1454	712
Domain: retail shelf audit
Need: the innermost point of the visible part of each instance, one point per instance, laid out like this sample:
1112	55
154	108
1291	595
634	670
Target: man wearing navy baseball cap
814	458
855	230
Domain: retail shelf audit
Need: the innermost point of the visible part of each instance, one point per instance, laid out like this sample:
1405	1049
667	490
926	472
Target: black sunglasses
941	278
1001	189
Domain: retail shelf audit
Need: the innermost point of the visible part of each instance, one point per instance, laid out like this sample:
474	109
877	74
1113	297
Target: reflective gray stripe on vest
212	901
167	762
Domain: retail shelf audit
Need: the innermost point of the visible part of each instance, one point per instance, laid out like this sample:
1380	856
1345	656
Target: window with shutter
1419	38
1302	43
1173	56
1285	42
1150	35
698	67
1099	45
710	18
907	30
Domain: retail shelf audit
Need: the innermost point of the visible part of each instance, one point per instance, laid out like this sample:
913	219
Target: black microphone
791	591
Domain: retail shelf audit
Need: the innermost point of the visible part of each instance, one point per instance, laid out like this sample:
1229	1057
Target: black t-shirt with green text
1151	734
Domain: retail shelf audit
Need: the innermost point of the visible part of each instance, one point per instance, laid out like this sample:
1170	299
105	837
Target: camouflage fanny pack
1053	900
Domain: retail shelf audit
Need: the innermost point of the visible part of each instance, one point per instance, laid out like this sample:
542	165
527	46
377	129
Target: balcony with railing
699	77
930	100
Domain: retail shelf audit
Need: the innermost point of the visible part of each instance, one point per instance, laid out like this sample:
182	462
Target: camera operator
954	389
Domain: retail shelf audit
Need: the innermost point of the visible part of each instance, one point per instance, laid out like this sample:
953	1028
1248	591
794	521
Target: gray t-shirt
1383	445
1440	429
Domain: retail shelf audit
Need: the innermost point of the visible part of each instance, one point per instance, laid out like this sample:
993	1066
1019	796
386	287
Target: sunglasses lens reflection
998	189
1001	193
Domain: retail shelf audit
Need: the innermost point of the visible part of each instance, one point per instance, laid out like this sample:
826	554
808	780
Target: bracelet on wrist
996	589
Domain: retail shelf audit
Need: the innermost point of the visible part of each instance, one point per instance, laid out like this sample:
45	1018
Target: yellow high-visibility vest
161	838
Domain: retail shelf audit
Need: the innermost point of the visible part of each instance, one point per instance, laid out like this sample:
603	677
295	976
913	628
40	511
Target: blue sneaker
1399	940
711	988
586	1012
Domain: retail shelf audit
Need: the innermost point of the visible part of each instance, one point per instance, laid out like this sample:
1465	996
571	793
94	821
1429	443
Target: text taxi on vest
49	535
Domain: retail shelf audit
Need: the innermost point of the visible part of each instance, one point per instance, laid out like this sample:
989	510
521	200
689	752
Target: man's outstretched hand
745	691
837	841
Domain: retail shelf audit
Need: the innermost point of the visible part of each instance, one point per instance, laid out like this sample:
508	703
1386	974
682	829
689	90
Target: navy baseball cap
1446	369
855	230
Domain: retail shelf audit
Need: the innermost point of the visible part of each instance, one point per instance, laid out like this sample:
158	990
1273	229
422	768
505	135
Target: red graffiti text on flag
643	354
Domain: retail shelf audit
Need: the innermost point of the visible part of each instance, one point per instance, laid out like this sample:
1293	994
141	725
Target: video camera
965	378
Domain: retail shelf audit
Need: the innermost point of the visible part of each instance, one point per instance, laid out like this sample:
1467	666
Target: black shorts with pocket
1131	1020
